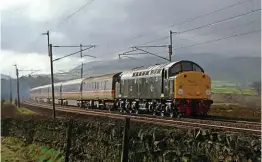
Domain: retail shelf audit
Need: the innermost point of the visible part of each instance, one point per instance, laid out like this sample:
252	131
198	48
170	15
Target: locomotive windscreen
184	66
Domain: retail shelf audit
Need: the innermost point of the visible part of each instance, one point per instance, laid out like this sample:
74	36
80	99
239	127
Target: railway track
253	128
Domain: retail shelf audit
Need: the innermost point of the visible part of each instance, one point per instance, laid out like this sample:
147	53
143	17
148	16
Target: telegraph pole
52	78
11	97
17	86
82	65
50	53
170	47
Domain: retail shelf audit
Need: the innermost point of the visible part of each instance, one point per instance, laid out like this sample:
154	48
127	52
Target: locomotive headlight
208	92
180	91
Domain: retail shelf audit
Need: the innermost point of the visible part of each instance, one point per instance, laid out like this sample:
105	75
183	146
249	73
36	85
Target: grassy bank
10	110
14	149
235	111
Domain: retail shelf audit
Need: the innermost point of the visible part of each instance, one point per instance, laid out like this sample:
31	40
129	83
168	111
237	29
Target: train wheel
162	113
171	114
123	111
154	113
136	111
204	115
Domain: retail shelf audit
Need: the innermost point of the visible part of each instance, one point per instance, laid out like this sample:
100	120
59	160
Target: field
9	110
235	111
231	88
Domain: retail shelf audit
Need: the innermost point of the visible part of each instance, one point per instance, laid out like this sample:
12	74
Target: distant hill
4	77
241	69
25	84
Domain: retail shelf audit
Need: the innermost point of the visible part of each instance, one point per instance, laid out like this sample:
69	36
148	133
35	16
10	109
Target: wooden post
69	135
52	76
124	156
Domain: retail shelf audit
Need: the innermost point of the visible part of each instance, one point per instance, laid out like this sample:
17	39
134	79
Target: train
169	89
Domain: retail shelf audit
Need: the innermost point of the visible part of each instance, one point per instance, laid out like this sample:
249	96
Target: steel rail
148	119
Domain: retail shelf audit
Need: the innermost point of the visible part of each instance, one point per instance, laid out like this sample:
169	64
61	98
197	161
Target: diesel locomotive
174	89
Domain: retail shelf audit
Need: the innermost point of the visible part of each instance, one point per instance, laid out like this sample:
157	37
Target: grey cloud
111	24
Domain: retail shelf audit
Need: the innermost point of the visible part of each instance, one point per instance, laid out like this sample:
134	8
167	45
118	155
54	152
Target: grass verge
14	149
24	111
236	111
10	110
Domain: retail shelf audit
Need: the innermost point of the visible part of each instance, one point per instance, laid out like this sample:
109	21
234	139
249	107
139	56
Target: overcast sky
115	25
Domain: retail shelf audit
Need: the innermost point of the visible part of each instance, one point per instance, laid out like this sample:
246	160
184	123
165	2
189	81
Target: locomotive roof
46	86
75	81
157	68
154	70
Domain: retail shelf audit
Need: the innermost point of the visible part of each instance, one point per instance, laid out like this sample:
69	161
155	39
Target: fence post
69	135
124	156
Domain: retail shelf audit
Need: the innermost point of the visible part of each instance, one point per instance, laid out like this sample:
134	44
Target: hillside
241	69
25	84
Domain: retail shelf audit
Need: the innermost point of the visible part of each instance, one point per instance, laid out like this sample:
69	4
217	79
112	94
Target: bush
100	139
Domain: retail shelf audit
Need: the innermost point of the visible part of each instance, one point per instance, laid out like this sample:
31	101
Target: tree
257	87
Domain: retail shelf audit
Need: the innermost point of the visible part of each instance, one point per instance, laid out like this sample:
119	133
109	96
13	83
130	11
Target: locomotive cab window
187	66
197	68
184	66
175	70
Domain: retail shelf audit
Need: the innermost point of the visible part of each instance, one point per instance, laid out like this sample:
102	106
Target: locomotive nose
195	85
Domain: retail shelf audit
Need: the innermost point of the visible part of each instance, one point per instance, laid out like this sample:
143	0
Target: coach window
101	85
97	85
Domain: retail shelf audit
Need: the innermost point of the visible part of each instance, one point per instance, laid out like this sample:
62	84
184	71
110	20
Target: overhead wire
218	22
71	15
214	40
199	16
189	20
61	22
210	13
204	26
220	39
207	33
